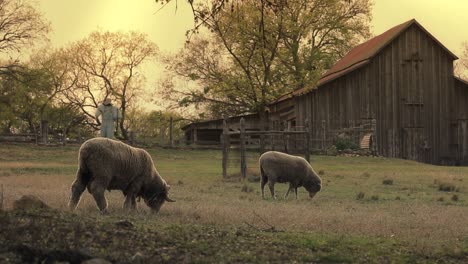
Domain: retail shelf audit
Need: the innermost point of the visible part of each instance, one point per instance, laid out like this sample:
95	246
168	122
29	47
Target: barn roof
362	55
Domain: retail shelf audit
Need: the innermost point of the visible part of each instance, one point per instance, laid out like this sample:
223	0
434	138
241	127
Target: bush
246	188
360	196
387	182
345	143
447	187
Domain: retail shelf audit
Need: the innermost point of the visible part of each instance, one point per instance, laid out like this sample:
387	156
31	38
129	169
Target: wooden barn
209	132
403	79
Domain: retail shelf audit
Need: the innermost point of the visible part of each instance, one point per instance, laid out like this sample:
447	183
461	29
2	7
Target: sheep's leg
78	187
130	202
262	185
263	181
287	193
295	190
97	191
271	185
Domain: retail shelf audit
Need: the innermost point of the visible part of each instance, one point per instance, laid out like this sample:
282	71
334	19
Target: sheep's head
313	188
157	199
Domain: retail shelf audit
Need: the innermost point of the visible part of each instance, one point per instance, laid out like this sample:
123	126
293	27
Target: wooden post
171	131
45	131
225	146
307	140
132	138
242	149
324	134
285	139
374	137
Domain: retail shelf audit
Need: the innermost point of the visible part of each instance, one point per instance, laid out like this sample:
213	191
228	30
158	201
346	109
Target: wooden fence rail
245	138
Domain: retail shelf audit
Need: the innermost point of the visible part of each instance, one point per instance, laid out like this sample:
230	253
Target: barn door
414	145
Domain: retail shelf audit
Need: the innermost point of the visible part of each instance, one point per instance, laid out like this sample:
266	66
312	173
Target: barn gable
402	79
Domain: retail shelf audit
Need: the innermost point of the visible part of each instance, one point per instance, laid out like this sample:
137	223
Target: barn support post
242	149
286	138
324	134
374	137
307	140
225	147
195	136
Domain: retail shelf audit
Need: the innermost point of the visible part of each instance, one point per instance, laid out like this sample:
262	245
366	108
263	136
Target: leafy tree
155	125
108	65
259	49
24	99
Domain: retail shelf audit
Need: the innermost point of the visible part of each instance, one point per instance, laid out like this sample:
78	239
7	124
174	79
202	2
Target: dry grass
417	217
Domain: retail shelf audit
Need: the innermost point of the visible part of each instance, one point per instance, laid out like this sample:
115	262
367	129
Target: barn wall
408	88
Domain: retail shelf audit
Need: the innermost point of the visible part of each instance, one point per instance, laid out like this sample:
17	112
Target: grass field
373	210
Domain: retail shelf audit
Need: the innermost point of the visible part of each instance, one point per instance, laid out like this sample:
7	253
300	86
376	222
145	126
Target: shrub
246	188
446	187
360	196
321	172
387	182
374	197
454	198
345	143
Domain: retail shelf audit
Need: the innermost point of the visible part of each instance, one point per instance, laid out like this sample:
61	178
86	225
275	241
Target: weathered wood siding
407	87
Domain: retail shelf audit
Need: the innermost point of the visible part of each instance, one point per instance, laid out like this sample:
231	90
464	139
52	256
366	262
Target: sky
72	20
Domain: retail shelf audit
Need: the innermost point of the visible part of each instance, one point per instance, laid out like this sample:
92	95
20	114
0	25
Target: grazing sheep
280	167
106	164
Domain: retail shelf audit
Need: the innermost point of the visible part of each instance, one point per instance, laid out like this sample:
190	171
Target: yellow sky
72	20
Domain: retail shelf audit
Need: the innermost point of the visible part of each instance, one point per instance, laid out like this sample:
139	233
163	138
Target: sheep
109	164
280	167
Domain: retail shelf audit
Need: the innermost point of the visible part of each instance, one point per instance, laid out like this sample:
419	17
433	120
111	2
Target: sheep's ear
168	187
169	199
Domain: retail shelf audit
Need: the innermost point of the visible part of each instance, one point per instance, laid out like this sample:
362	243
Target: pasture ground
371	210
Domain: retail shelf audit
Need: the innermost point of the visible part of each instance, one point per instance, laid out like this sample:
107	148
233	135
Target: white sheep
106	164
283	168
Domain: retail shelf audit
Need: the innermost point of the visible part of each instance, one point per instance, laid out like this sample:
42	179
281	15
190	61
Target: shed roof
362	54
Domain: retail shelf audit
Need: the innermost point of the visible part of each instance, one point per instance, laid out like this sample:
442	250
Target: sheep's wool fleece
118	164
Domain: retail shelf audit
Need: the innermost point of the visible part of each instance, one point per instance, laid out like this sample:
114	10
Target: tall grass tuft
387	182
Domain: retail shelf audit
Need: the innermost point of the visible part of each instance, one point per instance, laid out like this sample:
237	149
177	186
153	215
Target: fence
241	148
258	140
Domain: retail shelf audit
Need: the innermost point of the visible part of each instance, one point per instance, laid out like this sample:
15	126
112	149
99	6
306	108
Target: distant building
403	79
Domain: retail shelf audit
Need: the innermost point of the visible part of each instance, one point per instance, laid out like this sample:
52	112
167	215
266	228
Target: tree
20	26
24	99
461	65
107	65
155	124
266	48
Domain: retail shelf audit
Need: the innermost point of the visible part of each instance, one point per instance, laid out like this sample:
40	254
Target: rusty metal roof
361	55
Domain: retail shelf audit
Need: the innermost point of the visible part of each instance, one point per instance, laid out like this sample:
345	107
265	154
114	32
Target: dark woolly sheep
106	164
283	168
